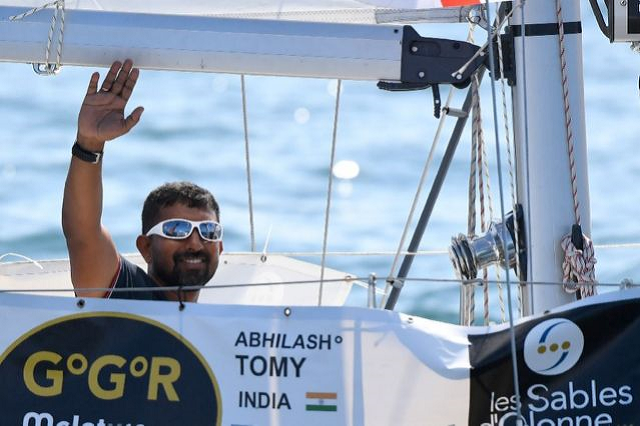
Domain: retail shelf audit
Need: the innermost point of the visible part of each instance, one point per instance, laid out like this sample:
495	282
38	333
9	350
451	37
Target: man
181	237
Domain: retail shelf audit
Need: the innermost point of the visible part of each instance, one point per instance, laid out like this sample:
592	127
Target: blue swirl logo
553	346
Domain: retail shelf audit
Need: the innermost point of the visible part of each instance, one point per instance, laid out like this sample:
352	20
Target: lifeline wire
329	190
625	284
512	334
247	159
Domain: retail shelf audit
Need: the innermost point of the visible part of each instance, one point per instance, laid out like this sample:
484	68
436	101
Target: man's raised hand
102	116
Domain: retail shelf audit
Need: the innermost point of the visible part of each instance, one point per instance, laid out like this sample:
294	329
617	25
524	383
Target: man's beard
181	275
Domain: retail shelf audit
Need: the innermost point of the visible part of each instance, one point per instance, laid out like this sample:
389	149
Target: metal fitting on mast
497	246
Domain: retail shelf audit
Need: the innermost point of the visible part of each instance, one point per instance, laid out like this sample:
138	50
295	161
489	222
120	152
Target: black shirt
130	276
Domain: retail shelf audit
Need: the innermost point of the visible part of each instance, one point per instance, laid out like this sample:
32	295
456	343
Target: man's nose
194	240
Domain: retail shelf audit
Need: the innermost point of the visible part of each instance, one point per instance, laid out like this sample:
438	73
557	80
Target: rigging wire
329	190
512	334
483	48
525	156
247	158
414	204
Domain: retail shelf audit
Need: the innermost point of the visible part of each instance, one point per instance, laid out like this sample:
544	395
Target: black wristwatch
88	156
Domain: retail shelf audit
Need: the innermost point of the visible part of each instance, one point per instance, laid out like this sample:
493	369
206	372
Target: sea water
192	129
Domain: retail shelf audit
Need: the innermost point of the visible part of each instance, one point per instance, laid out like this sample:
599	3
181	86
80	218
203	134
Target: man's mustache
201	255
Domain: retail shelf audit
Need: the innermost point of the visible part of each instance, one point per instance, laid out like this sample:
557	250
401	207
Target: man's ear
220	247
144	247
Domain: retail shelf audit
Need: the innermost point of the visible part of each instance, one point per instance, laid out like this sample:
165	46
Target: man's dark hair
187	193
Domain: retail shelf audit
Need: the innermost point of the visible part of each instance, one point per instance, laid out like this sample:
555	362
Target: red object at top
450	3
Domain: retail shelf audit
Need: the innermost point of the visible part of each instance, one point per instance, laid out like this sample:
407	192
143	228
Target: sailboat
259	352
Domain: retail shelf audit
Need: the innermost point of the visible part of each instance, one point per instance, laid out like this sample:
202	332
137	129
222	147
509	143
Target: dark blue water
192	130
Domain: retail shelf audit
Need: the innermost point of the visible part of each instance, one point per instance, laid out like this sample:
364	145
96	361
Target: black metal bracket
508	58
521	250
436	60
429	62
597	12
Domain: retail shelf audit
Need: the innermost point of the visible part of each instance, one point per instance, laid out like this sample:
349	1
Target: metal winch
495	246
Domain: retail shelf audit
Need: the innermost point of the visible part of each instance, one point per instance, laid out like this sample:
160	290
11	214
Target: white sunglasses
180	229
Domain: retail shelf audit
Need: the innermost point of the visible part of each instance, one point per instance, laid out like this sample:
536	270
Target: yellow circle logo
106	368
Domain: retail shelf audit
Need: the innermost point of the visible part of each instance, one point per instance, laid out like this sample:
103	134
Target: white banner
72	362
148	363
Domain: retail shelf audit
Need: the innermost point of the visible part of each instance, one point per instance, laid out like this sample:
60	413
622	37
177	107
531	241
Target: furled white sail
345	11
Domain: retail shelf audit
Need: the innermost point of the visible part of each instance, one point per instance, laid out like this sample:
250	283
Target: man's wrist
92	145
93	157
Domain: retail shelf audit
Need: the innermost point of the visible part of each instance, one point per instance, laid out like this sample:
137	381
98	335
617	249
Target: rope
578	265
247	159
512	179
512	335
329	191
486	222
471	219
483	48
567	114
484	186
58	13
477	136
511	168
468	291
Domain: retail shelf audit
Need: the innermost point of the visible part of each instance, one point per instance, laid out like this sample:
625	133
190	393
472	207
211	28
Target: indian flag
321	401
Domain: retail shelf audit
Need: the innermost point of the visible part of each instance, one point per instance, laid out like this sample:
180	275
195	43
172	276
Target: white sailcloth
346	11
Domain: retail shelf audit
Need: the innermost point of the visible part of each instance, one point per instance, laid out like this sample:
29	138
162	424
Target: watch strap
85	155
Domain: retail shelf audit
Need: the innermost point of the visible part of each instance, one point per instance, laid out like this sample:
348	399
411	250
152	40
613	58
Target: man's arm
92	253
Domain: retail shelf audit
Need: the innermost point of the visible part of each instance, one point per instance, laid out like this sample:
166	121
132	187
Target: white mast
544	187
